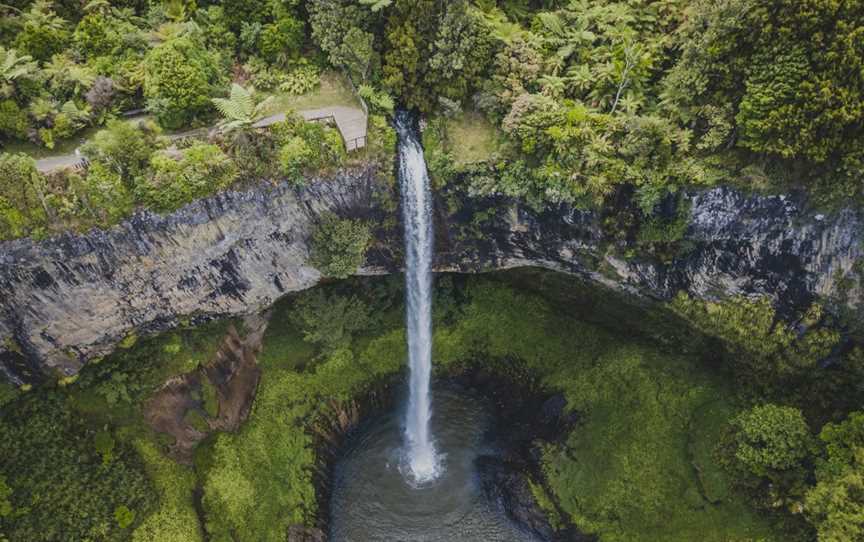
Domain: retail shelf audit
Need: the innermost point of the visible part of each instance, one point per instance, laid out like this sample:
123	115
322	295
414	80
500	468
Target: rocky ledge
72	298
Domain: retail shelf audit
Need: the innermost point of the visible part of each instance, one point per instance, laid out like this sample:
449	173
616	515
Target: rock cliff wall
67	300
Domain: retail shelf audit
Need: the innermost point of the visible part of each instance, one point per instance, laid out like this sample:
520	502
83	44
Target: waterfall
422	461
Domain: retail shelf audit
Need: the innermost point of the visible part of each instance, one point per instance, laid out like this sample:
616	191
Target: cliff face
67	300
734	244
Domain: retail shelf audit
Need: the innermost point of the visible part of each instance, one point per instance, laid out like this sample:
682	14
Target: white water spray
422	460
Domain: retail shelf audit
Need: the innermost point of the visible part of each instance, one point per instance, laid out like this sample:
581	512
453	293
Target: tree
339	245
124	147
23	205
178	178
13	67
409	42
330	320
357	54
376	5
107	195
780	77
836	504
180	75
240	111
340	25
771	439
463	51
43	33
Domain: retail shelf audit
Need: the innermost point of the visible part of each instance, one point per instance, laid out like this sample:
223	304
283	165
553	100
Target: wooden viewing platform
350	121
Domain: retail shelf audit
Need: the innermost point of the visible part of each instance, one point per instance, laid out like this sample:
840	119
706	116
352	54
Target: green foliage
259	481
23	206
343	29
43	33
306	146
294	157
175	519
13	121
240	111
281	40
124	147
835	505
635	467
771	438
300	80
124	516
380	101
104	443
766	352
339	245
107	195
179	178
62	487
792	97
331	321
209	398
463	49
6	508
180	77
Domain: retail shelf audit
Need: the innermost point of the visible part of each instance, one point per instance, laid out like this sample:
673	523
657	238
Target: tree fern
239	110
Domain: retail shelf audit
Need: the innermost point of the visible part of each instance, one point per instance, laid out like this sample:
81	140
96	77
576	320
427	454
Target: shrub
178	178
180	76
13	120
23	208
124	147
281	41
330	321
107	195
295	155
300	80
770	439
339	245
62	487
836	504
124	516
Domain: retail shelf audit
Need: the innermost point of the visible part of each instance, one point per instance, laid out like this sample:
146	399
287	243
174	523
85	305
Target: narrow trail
350	121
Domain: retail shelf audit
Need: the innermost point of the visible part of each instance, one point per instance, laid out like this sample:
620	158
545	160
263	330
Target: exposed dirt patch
216	396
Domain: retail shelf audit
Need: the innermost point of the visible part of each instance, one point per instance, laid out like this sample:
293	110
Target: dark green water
373	501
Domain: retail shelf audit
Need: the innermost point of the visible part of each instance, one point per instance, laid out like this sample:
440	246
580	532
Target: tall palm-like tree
239	111
13	66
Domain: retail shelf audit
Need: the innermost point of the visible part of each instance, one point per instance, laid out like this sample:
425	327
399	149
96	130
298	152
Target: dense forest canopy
589	97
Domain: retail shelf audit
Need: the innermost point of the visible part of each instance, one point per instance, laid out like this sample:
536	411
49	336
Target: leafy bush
300	80
339	245
107	194
23	207
295	156
835	505
181	76
178	178
770	439
124	148
330	321
13	120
